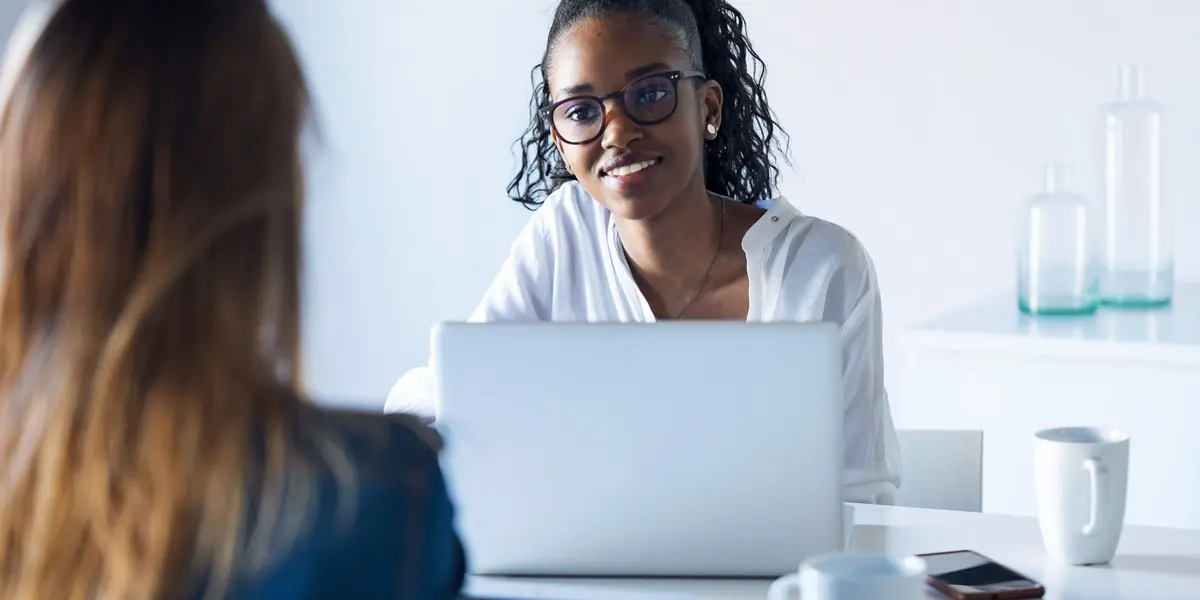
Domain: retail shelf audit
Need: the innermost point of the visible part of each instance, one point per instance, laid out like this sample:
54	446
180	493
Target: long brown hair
150	197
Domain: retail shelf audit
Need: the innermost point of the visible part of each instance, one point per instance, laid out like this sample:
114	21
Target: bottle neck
1056	178
1132	83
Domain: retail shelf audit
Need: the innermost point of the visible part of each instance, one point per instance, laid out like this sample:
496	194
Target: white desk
1151	564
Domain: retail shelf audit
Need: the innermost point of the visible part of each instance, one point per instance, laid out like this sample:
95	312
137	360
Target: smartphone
967	575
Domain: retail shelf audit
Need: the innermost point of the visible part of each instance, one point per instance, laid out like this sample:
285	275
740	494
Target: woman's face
634	170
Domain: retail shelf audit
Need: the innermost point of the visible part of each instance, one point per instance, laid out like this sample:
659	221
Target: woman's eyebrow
646	70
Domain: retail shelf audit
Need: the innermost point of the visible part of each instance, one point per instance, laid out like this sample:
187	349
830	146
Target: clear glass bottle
1056	269
1136	257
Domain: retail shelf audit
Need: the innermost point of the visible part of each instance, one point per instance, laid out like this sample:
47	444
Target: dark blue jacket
398	541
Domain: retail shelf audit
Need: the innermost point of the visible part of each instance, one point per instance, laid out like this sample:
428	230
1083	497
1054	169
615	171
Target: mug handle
784	588
1098	477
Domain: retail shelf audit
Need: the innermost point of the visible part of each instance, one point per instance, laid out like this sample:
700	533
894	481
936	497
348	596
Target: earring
568	166
712	129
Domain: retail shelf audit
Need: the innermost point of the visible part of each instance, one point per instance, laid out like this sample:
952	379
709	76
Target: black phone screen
971	573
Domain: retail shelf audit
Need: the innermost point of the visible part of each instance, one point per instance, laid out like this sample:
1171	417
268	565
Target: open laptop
689	449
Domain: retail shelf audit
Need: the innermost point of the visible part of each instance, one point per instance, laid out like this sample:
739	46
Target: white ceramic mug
853	577
1081	475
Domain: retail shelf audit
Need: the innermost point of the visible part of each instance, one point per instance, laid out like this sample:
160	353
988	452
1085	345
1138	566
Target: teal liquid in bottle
1056	271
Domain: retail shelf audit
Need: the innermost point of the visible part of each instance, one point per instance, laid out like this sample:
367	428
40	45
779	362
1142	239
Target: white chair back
942	469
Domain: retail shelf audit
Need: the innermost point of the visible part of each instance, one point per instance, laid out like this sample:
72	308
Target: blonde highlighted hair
151	200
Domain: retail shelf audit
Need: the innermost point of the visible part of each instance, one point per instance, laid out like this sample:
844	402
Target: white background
9	11
920	125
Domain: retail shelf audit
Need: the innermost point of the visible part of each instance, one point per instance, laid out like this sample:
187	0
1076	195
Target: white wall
9	11
920	125
418	105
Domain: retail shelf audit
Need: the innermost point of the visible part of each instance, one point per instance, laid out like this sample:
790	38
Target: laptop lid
636	449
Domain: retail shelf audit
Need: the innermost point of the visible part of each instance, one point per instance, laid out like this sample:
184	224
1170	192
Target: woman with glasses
651	148
155	440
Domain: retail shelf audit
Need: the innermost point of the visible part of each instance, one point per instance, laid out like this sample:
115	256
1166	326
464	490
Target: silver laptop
701	449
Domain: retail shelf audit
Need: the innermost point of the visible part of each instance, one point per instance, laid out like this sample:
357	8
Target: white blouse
568	265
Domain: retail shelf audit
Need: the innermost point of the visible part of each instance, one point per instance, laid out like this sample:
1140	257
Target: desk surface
1151	563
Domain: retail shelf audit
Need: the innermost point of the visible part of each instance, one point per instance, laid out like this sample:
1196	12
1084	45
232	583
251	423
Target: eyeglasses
648	100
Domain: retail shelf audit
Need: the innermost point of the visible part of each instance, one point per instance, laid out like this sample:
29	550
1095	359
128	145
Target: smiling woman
706	38
649	154
657	112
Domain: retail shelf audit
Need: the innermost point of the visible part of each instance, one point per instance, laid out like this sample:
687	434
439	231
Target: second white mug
853	576
1081	476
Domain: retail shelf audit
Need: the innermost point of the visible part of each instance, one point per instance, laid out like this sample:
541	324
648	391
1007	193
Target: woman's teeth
631	169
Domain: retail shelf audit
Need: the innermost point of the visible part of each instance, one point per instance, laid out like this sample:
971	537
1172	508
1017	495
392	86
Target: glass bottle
1056	270
1136	257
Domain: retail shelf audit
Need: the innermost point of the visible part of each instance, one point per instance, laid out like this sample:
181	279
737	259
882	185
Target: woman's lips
629	178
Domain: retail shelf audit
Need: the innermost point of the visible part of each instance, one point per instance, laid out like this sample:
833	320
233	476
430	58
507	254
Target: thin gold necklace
711	264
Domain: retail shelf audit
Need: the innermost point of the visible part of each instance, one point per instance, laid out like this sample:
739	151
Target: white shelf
1164	335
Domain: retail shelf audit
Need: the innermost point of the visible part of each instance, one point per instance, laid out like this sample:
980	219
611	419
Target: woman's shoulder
377	447
815	268
811	242
379	516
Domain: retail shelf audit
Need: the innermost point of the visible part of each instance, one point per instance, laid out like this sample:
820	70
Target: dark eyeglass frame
673	76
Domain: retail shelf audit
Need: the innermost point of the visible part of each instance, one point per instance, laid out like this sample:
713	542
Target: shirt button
774	219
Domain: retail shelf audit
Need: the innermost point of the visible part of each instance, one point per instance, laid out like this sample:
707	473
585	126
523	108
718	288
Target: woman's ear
712	101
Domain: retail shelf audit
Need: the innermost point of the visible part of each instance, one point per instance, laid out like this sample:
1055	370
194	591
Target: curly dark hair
738	163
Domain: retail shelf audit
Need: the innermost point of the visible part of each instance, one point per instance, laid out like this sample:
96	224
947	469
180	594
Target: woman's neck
672	250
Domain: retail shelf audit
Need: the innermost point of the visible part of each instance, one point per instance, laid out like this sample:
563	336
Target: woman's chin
634	208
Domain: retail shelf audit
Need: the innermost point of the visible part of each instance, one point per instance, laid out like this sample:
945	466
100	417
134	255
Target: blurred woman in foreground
154	441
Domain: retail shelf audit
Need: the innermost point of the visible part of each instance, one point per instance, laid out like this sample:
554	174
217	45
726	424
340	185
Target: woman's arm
871	455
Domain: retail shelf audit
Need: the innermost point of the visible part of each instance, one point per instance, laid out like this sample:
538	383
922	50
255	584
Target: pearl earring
712	129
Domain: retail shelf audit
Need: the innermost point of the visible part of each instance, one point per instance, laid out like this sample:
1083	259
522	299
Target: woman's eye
581	113
650	95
